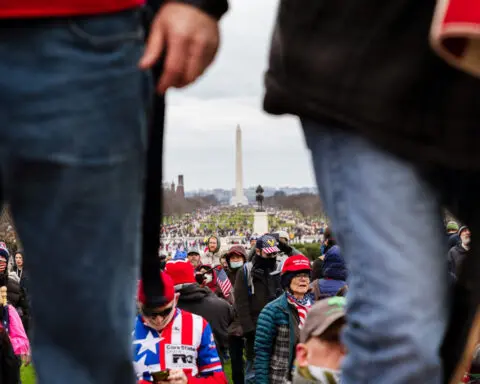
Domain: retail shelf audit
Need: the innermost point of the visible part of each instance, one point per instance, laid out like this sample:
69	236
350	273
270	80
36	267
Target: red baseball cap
296	263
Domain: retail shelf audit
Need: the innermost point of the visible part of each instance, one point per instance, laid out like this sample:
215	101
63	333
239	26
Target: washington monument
239	198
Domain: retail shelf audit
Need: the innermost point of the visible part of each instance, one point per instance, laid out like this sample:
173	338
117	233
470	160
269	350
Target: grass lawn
28	374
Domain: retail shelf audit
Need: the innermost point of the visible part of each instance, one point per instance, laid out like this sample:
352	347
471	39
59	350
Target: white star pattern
140	367
148	344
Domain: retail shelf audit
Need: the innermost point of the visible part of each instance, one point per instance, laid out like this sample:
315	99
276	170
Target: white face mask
208	278
236	264
324	375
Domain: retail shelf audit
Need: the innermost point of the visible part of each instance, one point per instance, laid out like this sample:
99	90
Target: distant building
180	187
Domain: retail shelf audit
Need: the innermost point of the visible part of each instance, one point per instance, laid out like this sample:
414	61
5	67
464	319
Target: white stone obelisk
239	198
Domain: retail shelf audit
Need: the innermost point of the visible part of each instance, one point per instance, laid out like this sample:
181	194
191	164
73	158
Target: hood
334	266
239	249
218	243
458	248
193	292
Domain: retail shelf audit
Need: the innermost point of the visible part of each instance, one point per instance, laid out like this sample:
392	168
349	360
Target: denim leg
388	223
75	105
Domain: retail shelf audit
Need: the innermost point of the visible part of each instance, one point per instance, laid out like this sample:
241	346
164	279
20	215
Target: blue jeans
387	219
73	141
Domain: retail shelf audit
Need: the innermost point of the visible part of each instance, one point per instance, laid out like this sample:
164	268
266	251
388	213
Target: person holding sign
173	346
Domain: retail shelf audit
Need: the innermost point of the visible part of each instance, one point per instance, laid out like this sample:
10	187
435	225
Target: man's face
465	236
319	353
212	244
3	264
158	318
194	259
283	240
253	243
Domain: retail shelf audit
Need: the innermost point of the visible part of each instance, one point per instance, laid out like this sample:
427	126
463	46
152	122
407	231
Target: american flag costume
185	343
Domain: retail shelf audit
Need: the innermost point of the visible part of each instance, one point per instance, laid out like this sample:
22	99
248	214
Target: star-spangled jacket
185	343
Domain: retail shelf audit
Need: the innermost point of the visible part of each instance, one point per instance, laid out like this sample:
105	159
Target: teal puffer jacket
276	336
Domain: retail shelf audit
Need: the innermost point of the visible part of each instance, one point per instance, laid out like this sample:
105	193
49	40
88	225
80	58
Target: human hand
191	39
26	359
176	376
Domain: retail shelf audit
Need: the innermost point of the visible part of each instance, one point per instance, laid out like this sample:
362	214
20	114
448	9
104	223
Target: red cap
296	263
181	271
166	296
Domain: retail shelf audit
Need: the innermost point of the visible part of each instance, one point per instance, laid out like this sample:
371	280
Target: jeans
73	129
386	217
236	346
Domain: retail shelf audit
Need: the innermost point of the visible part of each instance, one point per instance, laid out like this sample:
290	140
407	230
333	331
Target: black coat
17	297
266	288
203	302
9	363
367	66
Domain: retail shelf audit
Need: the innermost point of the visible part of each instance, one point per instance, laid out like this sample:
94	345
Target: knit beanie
452	226
181	271
164	294
4	251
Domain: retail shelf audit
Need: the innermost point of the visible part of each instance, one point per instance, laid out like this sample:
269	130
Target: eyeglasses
154	314
302	276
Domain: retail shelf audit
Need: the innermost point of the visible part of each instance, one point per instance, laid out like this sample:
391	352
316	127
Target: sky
201	119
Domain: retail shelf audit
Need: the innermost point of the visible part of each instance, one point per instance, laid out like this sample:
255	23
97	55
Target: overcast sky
201	119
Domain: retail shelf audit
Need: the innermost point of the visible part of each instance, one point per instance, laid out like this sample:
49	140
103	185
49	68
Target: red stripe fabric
62	8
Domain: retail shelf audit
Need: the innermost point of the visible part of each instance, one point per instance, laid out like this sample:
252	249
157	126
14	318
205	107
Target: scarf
302	306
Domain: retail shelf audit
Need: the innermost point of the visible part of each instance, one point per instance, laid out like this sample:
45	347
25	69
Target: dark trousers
236	345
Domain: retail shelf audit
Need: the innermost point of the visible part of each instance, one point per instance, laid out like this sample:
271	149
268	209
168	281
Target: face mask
324	375
236	264
199	278
208	279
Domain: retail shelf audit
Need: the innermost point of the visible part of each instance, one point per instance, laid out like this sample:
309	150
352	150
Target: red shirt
52	8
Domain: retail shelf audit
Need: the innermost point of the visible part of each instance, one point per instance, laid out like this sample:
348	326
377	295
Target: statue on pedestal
260	198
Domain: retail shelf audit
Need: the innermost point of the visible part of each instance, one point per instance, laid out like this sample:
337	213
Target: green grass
28	375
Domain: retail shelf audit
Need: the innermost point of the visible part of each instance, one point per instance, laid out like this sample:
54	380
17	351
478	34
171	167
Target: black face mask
264	263
199	278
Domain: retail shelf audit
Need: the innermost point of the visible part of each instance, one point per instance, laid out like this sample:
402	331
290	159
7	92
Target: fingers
155	45
201	54
175	62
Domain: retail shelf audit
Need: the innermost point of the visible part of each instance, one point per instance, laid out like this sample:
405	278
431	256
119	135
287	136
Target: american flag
224	283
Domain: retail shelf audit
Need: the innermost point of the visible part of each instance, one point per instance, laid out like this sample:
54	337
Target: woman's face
300	284
19	260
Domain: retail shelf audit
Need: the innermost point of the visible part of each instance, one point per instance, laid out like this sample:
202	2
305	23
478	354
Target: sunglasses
154	314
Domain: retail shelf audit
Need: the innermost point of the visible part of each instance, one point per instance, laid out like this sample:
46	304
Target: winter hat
4	251
293	266
283	234
462	229
164	295
181	271
236	250
452	226
180	255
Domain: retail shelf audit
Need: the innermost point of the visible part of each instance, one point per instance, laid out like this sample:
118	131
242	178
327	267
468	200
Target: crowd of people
259	306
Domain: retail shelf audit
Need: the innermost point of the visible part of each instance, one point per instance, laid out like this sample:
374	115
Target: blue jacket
276	314
334	266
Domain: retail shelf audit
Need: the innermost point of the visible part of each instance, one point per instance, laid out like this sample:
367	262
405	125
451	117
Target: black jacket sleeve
9	363
242	302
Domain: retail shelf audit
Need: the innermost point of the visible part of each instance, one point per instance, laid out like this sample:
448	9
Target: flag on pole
224	283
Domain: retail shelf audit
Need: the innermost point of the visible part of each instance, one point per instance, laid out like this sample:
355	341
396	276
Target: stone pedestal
260	223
